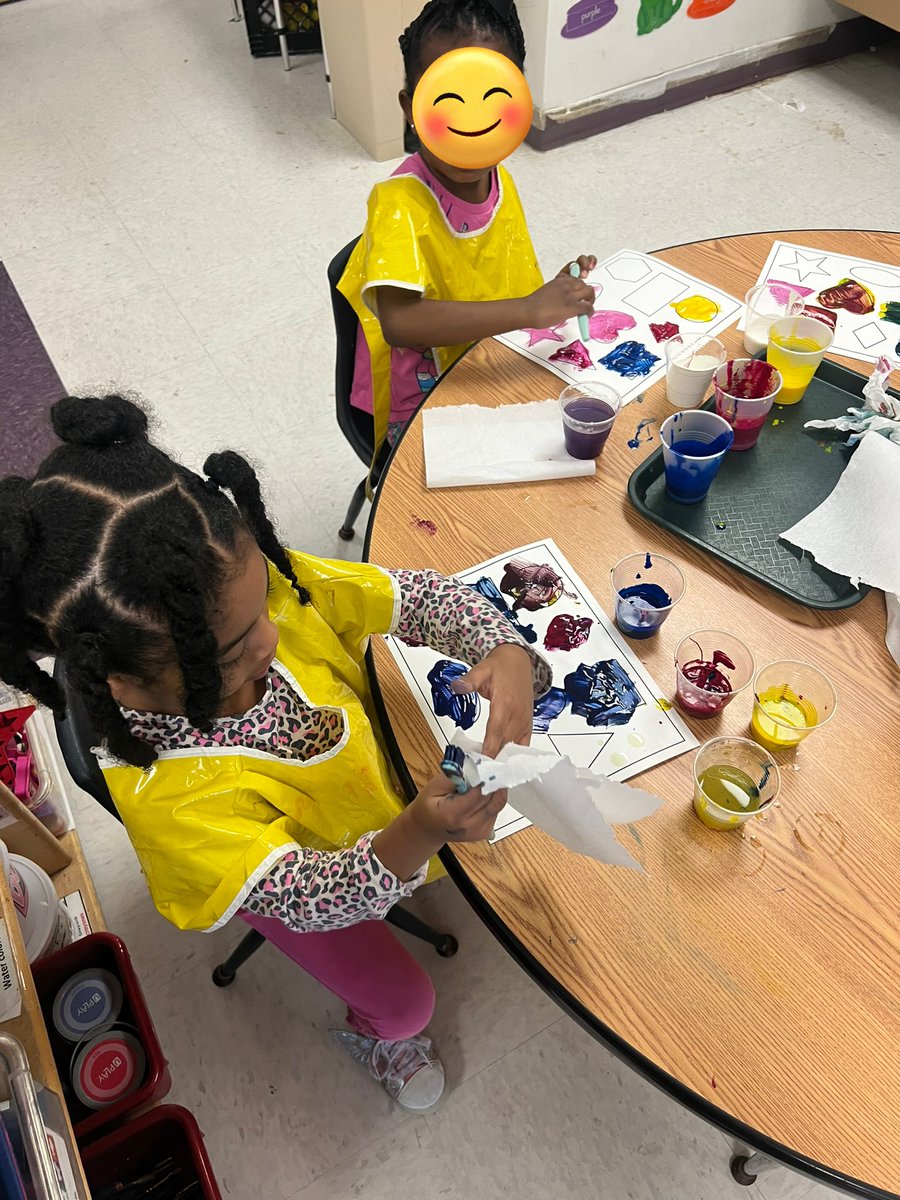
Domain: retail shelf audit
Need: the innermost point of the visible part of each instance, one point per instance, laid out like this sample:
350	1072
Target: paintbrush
584	324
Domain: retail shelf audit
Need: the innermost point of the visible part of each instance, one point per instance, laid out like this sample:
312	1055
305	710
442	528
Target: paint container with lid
44	921
90	1000
107	1067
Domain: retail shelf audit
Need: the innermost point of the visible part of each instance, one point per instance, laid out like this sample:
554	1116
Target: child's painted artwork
641	303
604	710
861	297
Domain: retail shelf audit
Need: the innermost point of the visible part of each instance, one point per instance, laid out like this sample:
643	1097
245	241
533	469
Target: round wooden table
755	979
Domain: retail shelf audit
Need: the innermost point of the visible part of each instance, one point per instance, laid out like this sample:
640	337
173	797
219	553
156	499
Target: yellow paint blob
696	308
663	705
619	759
635	739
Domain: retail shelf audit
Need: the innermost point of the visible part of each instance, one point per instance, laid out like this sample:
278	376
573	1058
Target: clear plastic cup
727	771
763	305
691	362
791	699
646	587
745	392
588	413
711	668
693	444
796	347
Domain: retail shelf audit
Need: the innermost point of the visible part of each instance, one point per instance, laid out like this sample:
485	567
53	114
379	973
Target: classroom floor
167	209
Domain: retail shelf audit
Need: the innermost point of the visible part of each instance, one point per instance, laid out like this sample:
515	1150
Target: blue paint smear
603	694
463	710
648	561
634	442
548	708
488	589
630	360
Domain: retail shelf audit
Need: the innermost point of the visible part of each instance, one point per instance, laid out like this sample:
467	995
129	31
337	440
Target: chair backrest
76	736
357	426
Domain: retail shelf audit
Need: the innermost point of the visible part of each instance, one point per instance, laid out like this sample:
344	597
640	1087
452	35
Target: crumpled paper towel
569	803
853	531
881	413
469	444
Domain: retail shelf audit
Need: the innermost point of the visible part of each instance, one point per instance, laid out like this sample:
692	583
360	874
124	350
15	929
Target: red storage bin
108	952
137	1147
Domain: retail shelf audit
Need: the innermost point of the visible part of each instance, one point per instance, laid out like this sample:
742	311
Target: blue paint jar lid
87	1001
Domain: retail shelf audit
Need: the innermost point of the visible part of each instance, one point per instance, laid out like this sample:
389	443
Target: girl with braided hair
225	679
445	258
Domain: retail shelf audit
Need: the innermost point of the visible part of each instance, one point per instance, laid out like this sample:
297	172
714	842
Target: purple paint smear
780	290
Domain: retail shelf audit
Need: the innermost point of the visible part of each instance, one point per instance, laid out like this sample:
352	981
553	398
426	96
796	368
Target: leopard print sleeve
455	620
315	890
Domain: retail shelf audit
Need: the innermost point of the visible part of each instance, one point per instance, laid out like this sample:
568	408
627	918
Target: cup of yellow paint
734	780
796	347
791	699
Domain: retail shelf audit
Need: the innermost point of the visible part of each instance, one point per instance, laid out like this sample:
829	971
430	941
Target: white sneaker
410	1071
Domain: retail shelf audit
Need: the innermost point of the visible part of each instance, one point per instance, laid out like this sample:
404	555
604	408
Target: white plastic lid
37	906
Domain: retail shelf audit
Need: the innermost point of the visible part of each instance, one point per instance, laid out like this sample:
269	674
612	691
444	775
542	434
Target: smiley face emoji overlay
472	107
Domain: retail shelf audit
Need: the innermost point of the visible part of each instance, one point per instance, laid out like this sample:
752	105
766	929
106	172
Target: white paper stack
469	444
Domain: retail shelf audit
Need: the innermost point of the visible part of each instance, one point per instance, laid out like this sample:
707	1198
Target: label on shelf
62	1165
10	992
81	922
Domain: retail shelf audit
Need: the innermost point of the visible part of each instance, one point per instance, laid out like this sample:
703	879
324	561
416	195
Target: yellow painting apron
409	243
207	823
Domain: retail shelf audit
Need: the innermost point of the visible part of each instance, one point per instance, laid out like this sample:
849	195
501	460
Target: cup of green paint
734	780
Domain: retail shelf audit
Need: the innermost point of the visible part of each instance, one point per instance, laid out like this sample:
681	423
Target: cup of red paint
711	668
745	392
588	412
646	587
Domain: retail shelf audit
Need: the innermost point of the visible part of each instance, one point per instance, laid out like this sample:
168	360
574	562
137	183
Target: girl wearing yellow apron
445	257
225	678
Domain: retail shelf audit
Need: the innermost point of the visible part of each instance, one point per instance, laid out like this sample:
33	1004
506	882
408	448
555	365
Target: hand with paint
556	301
505	678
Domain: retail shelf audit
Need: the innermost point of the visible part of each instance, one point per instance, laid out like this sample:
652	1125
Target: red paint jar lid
108	1066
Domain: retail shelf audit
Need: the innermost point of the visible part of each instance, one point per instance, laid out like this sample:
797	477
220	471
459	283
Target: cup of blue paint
694	443
646	587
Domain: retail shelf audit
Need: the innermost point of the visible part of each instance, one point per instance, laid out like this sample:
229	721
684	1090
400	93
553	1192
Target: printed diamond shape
869	335
628	270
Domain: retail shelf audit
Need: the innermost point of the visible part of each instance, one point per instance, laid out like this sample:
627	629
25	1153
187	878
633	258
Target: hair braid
498	17
86	670
229	470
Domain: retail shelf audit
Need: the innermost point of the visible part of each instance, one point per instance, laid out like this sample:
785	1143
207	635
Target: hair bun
98	421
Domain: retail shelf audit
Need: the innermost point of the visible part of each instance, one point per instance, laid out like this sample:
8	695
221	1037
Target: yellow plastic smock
207	823
409	243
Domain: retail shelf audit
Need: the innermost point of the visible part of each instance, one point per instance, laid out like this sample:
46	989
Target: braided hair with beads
485	17
112	555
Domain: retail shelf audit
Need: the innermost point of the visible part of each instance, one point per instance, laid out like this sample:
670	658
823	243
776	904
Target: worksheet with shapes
604	711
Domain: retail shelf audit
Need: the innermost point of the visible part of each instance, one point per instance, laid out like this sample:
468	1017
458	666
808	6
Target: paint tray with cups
759	494
103	1040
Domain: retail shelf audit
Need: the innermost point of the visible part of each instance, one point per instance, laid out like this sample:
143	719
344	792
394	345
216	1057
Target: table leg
282	35
746	1167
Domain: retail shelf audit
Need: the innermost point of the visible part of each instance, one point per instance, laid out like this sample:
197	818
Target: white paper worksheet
623	728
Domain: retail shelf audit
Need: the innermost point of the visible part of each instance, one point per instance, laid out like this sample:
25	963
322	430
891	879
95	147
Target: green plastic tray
761	492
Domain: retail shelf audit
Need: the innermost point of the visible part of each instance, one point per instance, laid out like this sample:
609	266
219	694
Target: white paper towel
469	444
570	804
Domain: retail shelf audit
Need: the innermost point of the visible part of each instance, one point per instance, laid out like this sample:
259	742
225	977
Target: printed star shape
805	265
545	335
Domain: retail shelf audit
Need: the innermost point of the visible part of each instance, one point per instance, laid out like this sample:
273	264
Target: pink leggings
387	993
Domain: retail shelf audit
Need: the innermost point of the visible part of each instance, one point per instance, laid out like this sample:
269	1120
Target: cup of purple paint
646	587
588	412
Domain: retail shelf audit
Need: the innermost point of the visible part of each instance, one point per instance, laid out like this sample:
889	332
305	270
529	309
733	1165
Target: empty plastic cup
734	780
745	391
646	587
588	412
693	444
791	700
796	347
691	362
763	305
711	668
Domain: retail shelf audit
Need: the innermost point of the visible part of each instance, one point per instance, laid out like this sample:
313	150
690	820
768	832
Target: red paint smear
566	632
663	332
428	527
713	1082
820	314
850	295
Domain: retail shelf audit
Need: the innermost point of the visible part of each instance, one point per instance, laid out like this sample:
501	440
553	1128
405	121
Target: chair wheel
346	533
221	978
447	946
738	1173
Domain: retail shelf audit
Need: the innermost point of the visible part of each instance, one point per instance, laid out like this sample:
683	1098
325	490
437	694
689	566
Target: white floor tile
66	205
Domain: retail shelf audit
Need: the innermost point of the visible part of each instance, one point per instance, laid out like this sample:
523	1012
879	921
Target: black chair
76	736
356	426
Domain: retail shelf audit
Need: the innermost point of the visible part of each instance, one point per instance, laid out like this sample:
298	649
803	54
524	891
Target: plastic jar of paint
90	1000
108	1066
45	924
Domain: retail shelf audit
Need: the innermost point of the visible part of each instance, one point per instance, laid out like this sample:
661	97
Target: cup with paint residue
711	668
734	780
646	587
763	305
588	412
791	699
693	445
745	392
691	362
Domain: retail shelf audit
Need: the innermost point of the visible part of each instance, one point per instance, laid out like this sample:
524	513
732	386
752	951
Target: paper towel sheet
571	804
469	444
854	531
